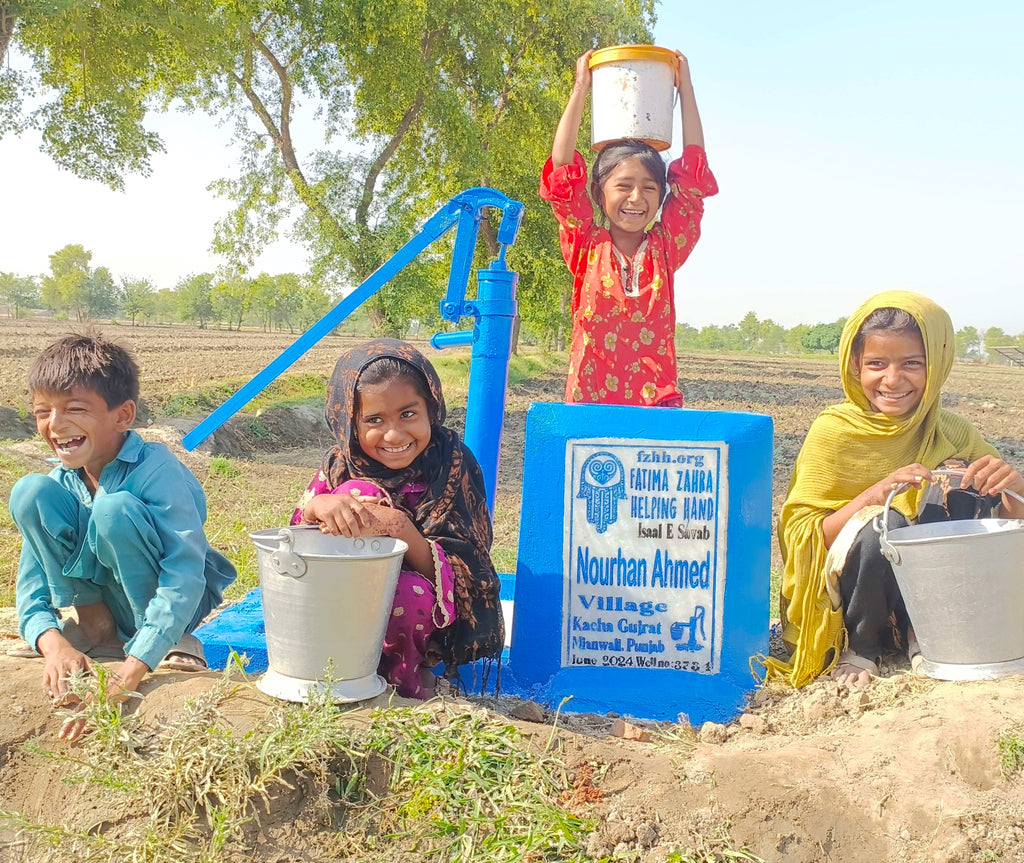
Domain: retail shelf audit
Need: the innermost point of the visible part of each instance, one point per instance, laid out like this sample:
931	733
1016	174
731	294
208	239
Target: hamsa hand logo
603	485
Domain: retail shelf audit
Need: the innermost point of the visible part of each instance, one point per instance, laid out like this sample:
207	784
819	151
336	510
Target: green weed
221	466
437	781
258	429
1011	750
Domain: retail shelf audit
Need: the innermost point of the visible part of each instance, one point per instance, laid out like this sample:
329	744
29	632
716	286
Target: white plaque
644	562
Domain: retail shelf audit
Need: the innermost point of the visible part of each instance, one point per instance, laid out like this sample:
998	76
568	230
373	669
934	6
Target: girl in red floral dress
623	308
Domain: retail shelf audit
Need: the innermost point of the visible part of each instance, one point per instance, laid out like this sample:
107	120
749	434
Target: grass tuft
1011	750
713	846
434	782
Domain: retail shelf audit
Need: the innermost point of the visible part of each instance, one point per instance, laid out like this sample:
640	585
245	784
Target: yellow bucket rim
617	53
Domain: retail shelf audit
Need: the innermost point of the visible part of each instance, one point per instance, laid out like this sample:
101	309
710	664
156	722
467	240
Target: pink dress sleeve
319	485
690	181
565	188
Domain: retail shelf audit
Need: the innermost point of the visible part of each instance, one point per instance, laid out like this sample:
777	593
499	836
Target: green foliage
285	390
458	783
19	293
1011	750
135	297
465	786
221	466
64	289
417	102
232	296
823	337
194	296
73	286
97	68
968	343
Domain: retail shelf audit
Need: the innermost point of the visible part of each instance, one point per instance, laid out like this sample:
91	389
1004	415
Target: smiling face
392	423
81	429
630	197
893	371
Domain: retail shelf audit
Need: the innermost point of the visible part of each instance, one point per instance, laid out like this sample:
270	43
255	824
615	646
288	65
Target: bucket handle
285	561
881	522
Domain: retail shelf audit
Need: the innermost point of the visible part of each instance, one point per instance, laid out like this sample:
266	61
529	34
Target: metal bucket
963	585
326	604
632	89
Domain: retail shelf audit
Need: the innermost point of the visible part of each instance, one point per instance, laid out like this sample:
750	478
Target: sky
858	147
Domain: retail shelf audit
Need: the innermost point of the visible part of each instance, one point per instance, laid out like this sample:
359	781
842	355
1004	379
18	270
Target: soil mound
909	769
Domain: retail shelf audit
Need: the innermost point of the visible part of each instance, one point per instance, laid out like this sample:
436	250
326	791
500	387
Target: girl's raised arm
568	132
693	132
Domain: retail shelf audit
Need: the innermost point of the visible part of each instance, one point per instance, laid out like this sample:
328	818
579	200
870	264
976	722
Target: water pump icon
690	627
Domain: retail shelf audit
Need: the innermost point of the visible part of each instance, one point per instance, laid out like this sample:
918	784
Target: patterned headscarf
452	511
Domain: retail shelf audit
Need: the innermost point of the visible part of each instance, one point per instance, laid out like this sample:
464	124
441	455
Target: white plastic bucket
326	602
632	89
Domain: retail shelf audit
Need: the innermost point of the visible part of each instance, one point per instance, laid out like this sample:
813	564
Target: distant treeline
768	337
74	290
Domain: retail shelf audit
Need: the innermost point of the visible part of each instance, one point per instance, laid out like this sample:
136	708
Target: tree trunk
7	21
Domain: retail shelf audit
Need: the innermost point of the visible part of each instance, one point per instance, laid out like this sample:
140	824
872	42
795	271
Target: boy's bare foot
854	671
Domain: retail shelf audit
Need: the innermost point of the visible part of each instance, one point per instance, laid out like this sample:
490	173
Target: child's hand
915	475
991	475
122	682
682	71
353	515
62	661
583	73
344	514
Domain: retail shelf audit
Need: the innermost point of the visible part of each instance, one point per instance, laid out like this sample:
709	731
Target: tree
995	337
771	336
793	339
687	337
100	294
822	337
749	332
18	292
162	307
64	290
714	338
433	98
417	101
195	298
968	343
96	69
232	296
135	297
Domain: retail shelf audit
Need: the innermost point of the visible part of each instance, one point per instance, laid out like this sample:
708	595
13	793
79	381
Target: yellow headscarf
848	448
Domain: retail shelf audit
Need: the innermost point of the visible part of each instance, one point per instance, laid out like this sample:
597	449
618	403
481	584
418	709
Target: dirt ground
909	769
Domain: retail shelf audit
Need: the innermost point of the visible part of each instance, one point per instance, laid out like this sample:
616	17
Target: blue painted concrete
596	617
237	628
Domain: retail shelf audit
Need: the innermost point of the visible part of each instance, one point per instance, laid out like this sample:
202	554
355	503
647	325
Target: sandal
186	655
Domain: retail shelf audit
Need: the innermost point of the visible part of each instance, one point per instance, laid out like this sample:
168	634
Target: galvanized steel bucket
326	604
963	585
